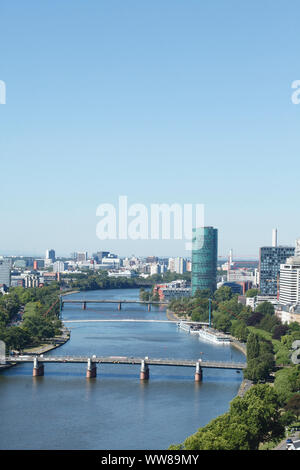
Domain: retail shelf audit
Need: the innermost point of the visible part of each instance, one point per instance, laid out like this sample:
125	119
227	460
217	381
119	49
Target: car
289	441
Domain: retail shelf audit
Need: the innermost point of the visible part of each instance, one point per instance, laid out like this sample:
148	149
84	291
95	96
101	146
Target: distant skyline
186	254
165	102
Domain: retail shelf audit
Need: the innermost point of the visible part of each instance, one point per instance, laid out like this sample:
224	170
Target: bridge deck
111	301
128	360
132	320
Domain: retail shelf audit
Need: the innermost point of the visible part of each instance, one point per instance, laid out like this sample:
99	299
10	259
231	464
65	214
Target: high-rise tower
204	259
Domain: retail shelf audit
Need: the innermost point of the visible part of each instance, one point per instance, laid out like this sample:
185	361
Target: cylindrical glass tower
204	259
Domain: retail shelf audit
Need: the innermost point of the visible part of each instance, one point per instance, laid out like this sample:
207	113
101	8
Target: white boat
213	336
184	326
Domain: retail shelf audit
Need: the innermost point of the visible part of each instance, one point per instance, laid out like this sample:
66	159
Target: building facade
270	259
50	255
289	283
5	269
204	259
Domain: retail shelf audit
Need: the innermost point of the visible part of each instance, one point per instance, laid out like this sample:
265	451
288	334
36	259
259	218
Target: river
64	410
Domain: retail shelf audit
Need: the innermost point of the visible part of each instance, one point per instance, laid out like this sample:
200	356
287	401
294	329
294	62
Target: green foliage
39	318
223	293
16	338
252	346
239	330
250	420
101	280
202	293
287	382
252	292
222	323
260	358
144	294
293	405
265	308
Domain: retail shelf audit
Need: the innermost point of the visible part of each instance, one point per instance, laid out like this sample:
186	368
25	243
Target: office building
50	255
270	259
59	267
204	259
5	269
81	256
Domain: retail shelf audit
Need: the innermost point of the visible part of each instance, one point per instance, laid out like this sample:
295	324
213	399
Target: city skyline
188	254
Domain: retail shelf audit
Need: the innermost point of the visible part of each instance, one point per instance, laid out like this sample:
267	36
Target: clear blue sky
160	100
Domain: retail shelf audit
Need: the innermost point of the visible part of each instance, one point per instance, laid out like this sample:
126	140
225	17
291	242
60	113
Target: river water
64	410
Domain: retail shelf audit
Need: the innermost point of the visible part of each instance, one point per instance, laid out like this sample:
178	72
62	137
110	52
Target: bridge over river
119	302
132	320
92	361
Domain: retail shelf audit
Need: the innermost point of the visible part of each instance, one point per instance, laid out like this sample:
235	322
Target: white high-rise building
179	265
59	267
289	283
171	265
154	269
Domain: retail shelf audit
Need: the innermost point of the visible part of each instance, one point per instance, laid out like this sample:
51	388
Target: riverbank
70	292
43	348
246	384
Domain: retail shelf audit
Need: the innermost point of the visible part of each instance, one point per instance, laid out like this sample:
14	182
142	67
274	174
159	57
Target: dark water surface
63	410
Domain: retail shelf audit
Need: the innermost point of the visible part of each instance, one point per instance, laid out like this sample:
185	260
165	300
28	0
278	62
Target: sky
162	101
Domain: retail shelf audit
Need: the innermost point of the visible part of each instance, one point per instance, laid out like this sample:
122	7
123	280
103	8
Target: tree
252	346
254	319
265	308
252	292
16	338
203	293
222	323
240	331
279	331
260	411
269	322
293	405
251	419
256	370
223	293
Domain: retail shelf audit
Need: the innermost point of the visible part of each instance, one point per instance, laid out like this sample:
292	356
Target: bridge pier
198	373
91	370
144	374
84	306
38	369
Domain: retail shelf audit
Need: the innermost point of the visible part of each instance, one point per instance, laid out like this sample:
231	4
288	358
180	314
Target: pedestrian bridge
132	320
119	302
144	362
